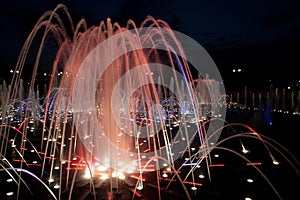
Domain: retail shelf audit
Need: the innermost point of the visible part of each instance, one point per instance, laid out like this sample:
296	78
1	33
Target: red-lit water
122	109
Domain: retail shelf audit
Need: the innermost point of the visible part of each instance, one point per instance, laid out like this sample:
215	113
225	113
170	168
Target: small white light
9	193
249	180
201	176
194	188
56	186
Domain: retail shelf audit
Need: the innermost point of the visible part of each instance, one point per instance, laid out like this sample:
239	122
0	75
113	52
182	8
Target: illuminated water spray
121	99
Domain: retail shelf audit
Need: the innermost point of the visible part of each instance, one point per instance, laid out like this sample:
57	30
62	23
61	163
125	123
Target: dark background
259	37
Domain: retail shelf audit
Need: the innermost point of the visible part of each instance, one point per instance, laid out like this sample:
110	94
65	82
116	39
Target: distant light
237	70
104	176
275	162
9	193
9	180
87	174
102	168
51	180
245	150
56	186
140	185
122	176
11	71
201	176
288	87
194	188
249	180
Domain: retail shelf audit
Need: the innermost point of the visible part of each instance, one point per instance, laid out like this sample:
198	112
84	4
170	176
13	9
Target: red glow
216	165
166	171
74	168
34	164
80	165
192	183
154	186
136	193
253	163
51	158
137	177
19	160
147	150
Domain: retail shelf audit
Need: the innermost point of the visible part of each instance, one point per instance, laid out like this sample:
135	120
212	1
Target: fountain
122	105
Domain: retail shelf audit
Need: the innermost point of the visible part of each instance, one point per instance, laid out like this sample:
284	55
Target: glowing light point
121	176
275	162
51	180
249	180
104	176
9	194
56	186
9	180
244	150
194	188
140	185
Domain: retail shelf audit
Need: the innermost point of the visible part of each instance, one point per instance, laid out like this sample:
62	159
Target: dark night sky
259	36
